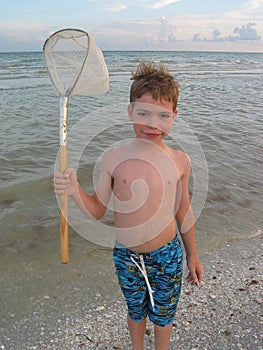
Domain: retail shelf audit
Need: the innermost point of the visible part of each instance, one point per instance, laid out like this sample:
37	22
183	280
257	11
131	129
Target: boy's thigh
132	284
165	303
166	280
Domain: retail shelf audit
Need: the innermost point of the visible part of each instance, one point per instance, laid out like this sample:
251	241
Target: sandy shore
224	313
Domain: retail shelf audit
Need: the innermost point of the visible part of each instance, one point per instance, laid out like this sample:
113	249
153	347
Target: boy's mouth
152	134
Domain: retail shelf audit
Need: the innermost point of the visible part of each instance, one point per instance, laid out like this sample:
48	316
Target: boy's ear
175	113
130	112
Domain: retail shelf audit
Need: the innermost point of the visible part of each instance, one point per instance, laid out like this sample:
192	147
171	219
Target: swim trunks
151	282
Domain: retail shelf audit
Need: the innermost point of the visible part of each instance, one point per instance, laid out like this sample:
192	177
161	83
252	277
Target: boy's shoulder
179	155
112	156
181	159
113	152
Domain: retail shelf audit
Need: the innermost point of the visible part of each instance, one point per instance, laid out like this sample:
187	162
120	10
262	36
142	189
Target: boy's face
152	119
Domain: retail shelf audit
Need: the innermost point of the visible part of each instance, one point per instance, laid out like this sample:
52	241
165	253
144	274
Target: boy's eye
164	115
142	114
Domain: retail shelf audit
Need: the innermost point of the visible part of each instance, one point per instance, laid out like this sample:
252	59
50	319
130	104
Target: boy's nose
152	122
151	127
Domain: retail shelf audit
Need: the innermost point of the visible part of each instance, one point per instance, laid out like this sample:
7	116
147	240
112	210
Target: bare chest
136	178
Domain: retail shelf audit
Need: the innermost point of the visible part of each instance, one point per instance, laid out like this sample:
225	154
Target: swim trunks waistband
175	241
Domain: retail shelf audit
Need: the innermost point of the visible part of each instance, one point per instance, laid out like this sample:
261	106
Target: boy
149	184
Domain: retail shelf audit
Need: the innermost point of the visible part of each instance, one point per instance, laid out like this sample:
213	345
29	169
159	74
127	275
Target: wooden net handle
63	155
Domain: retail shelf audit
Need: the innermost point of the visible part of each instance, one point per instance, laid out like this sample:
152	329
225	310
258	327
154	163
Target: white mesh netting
75	64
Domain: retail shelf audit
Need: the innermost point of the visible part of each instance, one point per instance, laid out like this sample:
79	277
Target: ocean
219	114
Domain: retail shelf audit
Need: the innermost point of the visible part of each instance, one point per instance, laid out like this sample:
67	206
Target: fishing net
75	64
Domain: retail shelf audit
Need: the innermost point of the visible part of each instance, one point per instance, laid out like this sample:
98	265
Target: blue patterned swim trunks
151	282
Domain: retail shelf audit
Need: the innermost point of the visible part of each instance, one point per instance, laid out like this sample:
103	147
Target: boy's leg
162	336
137	331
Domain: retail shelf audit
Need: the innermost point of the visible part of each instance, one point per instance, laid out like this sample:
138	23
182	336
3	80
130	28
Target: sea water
220	102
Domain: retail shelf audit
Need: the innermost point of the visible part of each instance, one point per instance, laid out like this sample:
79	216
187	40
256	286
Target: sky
203	25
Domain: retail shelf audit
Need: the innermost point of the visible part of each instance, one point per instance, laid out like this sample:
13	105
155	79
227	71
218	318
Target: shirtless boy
149	184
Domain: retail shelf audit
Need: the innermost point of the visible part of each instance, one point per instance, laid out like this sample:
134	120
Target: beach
224	313
45	304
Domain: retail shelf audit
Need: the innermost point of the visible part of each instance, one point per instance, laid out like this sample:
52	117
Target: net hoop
75	63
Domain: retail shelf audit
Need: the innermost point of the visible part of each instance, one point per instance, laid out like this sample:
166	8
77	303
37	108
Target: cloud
167	32
116	8
245	33
113	6
255	4
164	28
172	37
216	34
23	37
159	4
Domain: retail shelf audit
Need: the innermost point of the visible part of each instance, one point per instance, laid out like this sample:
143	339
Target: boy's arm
88	204
185	221
93	205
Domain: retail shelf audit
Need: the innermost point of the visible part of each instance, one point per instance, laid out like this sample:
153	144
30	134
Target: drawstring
144	272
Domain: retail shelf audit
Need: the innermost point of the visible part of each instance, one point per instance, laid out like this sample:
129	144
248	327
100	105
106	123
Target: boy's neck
148	143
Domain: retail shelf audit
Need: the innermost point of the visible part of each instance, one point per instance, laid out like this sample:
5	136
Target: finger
60	186
58	175
60	178
200	275
192	277
68	173
189	278
60	191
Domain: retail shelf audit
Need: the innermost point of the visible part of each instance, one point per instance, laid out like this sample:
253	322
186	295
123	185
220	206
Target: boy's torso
145	182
